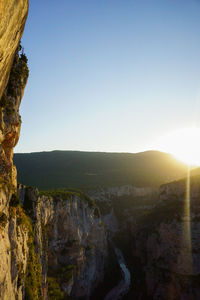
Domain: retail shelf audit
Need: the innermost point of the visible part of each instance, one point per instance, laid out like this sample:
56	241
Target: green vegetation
90	170
33	277
55	279
18	77
23	220
54	291
33	288
68	194
19	73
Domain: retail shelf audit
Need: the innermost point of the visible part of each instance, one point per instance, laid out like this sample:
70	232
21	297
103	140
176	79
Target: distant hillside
64	169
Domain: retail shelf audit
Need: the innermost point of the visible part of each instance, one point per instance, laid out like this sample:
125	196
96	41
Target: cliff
55	246
70	240
14	236
13	78
165	244
158	234
13	16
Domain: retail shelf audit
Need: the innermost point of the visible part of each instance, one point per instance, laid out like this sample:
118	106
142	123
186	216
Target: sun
184	144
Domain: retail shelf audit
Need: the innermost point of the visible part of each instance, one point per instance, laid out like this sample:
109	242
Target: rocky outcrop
121	191
13	16
14	235
118	203
10	120
13	78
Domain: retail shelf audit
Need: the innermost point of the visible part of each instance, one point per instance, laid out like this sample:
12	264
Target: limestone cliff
165	244
13	16
14	235
158	237
14	226
13	78
10	121
70	241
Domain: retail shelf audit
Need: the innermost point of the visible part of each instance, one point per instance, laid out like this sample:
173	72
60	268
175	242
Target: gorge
108	239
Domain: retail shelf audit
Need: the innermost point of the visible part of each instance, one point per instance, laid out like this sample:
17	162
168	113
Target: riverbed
122	288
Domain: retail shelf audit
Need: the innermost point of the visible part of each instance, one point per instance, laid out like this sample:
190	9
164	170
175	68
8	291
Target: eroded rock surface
13	16
71	240
14	234
166	244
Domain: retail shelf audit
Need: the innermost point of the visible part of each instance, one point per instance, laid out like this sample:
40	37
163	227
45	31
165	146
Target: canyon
115	242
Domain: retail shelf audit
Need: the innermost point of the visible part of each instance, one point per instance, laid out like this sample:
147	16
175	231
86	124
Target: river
122	288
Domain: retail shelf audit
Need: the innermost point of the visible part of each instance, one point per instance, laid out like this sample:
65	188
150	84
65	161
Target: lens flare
186	238
184	144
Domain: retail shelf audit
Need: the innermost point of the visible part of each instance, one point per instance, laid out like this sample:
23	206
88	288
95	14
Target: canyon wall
165	245
13	16
14	235
70	239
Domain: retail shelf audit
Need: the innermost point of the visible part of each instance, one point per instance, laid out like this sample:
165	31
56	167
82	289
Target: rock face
14	234
159	239
70	238
13	78
14	252
52	241
121	191
55	245
166	242
13	16
10	121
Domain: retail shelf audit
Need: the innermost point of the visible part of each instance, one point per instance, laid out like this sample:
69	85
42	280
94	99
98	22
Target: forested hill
76	169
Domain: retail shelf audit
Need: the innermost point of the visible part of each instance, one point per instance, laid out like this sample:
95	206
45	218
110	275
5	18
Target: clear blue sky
109	75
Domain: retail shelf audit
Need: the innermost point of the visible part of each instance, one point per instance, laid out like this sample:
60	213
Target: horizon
107	152
62	150
109	77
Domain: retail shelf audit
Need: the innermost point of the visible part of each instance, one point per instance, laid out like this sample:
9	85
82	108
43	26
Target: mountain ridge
83	169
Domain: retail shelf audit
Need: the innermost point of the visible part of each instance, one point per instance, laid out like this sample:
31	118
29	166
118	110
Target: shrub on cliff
33	278
18	77
54	291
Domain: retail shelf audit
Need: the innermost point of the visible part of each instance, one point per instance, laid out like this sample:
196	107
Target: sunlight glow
187	241
184	144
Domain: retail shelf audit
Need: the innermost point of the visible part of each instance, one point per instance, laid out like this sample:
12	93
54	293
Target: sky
109	75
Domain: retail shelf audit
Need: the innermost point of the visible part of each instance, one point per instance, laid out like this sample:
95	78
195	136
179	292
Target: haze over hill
64	169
